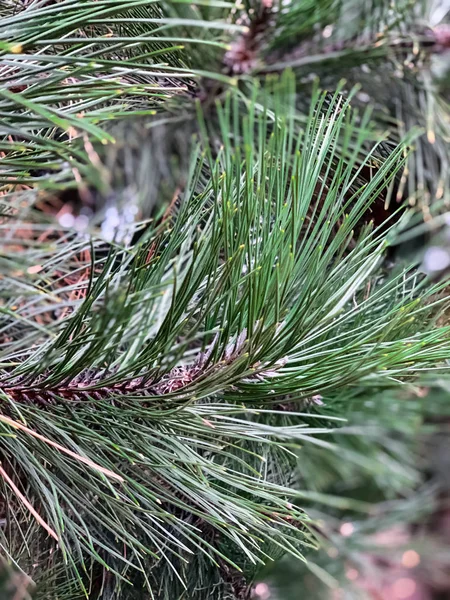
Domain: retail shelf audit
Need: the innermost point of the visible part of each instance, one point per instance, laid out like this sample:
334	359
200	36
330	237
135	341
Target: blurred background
388	536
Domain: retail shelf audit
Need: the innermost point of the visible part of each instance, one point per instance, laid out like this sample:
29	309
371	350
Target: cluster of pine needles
224	307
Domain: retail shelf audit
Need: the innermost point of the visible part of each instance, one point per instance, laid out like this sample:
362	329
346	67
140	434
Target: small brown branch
22	498
82	459
244	54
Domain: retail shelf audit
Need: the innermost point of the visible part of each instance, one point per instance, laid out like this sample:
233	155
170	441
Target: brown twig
78	457
22	498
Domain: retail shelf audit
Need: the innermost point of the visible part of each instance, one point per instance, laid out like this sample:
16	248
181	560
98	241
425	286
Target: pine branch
216	293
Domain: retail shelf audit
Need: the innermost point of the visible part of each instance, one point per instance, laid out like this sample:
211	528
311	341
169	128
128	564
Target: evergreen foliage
204	328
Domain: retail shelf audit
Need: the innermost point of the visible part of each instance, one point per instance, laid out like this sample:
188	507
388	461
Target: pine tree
216	324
